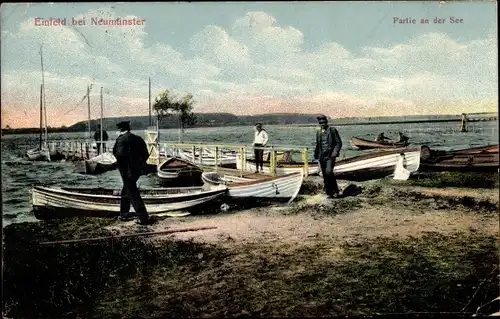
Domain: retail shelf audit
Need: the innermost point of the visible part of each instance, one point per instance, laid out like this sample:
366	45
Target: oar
124	236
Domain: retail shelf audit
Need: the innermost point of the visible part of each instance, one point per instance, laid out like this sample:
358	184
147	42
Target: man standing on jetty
131	155
260	140
328	145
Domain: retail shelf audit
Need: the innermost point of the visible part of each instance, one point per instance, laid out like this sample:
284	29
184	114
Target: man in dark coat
131	154
328	145
97	138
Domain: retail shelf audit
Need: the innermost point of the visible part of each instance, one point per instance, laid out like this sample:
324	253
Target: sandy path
269	226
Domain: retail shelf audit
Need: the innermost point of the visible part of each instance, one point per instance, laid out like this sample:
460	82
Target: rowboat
41	153
100	202
97	165
478	159
38	154
427	152
362	144
377	165
179	170
285	187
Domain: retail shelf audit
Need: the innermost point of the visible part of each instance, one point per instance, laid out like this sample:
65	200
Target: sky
342	59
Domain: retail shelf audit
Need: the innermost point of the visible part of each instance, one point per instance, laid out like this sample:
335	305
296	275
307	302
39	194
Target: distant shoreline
341	122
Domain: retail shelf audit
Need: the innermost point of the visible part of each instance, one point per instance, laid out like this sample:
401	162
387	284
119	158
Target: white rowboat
279	187
98	202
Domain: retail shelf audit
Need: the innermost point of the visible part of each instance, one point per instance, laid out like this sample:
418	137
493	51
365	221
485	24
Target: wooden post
242	159
463	126
216	156
272	164
87	150
201	154
194	154
305	158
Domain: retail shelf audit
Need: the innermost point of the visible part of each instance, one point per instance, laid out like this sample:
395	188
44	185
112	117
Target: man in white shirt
260	140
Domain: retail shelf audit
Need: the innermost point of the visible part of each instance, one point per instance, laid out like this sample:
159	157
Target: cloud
257	65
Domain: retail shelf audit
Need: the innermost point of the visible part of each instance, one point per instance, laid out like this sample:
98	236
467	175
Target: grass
135	278
457	179
330	208
46	281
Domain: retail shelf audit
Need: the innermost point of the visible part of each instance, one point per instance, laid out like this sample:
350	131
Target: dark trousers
327	165
259	157
99	148
130	195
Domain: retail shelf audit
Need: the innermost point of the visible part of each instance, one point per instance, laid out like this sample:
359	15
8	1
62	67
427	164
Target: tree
167	104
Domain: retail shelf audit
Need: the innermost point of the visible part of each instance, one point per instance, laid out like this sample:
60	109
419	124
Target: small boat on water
377	165
477	159
362	144
179	170
49	203
97	165
38	154
285	187
41	153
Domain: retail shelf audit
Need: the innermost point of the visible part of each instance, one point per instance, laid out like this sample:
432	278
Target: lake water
19	174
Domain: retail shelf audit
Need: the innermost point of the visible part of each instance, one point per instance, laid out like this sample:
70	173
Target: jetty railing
206	155
76	149
213	155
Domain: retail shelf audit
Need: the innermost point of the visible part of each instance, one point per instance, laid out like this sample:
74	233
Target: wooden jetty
82	149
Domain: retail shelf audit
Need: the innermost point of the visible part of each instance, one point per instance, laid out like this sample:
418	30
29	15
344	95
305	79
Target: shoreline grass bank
393	248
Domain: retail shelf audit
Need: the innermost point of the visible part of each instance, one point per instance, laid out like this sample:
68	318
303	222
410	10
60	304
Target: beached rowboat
362	144
98	202
284	187
377	165
477	159
358	168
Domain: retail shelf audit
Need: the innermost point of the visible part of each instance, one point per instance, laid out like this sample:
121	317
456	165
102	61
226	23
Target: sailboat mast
150	119
41	112
88	109
101	120
43	85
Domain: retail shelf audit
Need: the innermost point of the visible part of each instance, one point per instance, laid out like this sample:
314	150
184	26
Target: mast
43	85
41	118
88	109
101	122
150	119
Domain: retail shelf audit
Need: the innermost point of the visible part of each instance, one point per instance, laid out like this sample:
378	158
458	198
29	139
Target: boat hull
362	144
49	203
38	155
284	187
376	165
477	159
177	170
97	165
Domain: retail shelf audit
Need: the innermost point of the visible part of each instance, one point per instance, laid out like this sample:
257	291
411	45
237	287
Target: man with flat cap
328	145
131	154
